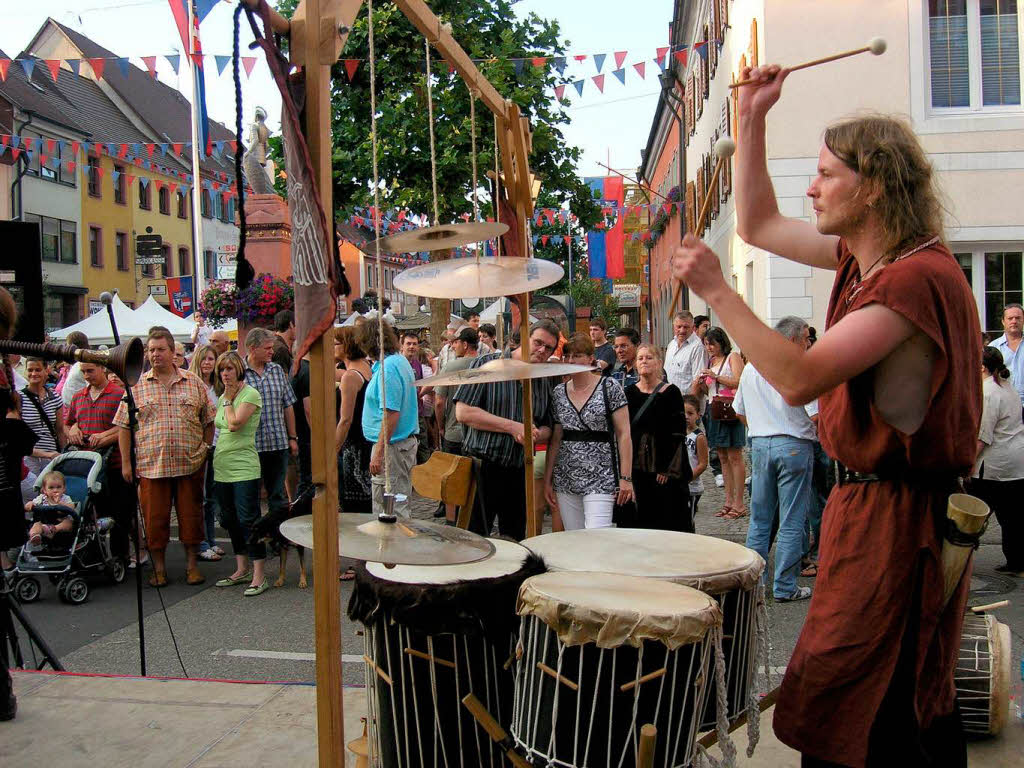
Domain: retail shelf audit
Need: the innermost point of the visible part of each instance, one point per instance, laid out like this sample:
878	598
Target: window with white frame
996	275
974	54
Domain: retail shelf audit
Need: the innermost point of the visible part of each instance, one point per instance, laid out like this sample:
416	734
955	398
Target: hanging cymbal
440	237
404	542
483	276
503	369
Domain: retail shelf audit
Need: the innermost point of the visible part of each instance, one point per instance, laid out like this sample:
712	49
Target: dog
268	528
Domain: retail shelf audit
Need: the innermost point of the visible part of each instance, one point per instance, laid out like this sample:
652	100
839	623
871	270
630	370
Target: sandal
347	575
736	514
724	511
810	571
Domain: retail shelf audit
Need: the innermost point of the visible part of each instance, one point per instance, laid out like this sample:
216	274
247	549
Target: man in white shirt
685	356
1009	345
782	464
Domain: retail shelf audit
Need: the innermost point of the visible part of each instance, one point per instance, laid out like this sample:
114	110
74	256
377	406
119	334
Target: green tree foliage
486	29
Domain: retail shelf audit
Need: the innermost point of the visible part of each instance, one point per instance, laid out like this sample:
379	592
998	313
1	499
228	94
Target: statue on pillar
259	170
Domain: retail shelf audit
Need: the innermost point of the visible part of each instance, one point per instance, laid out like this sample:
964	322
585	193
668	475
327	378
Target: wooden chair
450	479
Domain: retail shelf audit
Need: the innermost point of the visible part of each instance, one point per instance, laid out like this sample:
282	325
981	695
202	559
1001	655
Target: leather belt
845	476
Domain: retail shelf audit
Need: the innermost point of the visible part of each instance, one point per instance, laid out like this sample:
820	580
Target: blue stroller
69	557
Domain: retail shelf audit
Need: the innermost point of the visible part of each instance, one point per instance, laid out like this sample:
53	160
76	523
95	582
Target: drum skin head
702	562
613	610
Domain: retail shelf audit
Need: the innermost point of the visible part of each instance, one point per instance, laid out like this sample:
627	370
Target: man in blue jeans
782	465
276	435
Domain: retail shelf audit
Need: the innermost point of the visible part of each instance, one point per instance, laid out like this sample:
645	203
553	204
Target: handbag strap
647	404
42	414
611	427
718	386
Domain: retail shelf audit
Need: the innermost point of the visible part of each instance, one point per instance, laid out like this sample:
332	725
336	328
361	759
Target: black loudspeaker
21	273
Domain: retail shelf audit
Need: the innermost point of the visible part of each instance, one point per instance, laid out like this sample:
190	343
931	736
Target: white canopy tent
153	313
97	325
490	315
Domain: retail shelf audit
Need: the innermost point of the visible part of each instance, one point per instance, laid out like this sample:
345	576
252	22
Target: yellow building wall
112	217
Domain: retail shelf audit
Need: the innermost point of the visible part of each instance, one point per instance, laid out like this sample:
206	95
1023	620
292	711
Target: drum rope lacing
722	706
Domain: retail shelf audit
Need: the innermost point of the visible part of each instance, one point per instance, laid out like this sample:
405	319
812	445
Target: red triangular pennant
197	58
234	146
150	62
680	56
177	149
566	239
581	58
172	186
620	56
4	66
150	148
559	92
539	61
97	67
15	152
43	159
248	62
599	82
28	142
544	239
54	66
130	178
641	69
351	65
99	171
122	151
51	145
661	53
71	166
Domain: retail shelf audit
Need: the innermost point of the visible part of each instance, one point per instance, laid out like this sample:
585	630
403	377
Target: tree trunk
440	310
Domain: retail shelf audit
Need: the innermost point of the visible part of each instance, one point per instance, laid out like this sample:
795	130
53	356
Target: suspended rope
430	119
497	185
472	151
376	242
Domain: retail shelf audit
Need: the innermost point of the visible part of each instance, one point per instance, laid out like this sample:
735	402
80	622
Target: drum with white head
432	635
727	571
982	674
604	654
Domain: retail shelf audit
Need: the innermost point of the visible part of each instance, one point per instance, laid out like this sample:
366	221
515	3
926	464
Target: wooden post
326	593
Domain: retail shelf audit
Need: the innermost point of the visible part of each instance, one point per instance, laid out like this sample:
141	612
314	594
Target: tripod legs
9	611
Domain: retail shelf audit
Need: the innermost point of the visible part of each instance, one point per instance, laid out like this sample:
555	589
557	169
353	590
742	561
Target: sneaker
747	481
219	550
802	593
253	591
209	554
720	481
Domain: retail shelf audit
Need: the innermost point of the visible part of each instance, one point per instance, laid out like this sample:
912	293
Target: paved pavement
221	634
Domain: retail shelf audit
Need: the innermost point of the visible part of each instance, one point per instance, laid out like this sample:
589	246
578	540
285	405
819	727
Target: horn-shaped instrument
125	360
966	519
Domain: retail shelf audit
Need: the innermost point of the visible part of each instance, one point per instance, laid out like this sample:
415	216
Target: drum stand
9	612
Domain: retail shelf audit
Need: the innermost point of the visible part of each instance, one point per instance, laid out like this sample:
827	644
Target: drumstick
494	730
709	739
876	46
645	756
724	149
990	606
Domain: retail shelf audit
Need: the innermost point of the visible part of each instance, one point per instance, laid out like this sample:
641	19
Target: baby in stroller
53	495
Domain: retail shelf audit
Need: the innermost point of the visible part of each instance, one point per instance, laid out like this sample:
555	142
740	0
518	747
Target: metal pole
197	227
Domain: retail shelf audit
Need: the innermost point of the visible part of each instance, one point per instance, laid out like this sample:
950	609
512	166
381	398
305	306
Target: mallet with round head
876	46
725	148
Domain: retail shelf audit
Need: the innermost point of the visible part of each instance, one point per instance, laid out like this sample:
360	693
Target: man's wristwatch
293	437
627	478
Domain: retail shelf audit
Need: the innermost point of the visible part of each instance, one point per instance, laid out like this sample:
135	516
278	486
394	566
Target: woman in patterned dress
584	478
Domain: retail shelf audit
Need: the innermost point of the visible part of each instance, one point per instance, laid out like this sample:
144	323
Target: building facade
952	68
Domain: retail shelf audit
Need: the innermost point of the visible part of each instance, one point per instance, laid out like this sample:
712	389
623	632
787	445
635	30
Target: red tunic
877	599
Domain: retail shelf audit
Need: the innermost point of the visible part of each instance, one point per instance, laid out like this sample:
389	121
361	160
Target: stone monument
268	225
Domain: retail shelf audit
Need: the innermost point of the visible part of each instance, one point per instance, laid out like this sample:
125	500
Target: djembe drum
602	655
432	635
728	572
982	674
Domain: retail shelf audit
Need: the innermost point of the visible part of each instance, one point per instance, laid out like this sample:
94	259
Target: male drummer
871	679
493	418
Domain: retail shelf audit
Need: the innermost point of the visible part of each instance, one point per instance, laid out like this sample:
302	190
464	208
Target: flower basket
219	303
265	296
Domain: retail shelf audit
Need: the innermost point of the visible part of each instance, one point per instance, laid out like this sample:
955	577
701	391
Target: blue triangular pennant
219	146
136	149
578	85
76	65
662	62
222	61
15	141
559	62
86	147
111	148
173	61
115	176
599	60
518	64
30	154
28	65
621	74
123	65
702	49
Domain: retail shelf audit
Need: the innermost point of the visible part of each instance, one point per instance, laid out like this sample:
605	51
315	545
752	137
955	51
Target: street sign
149	245
226	271
158	290
226	258
145	260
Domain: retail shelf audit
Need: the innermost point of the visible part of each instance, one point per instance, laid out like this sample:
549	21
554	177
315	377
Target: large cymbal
440	237
483	276
503	369
405	542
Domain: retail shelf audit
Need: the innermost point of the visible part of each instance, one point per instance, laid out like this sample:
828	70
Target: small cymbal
440	237
404	542
503	369
483	276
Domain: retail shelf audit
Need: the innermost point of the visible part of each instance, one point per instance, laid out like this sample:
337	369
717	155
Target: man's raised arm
758	220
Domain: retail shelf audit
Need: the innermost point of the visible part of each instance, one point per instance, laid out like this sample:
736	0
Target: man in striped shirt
493	417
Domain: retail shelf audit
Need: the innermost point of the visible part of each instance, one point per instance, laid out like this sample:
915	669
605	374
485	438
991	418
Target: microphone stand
133	423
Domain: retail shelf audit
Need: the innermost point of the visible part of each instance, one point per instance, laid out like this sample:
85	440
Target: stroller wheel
116	570
27	589
75	590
